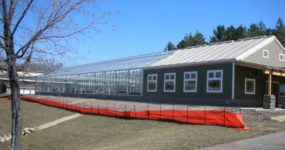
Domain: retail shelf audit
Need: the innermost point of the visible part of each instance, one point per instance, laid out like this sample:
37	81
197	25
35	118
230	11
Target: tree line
222	33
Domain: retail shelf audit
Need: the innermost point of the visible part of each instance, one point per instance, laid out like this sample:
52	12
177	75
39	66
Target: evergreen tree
254	30
185	42
170	46
240	33
233	33
230	33
199	39
191	40
219	34
280	31
181	44
262	28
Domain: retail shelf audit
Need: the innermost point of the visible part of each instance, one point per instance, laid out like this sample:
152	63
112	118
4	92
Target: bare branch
4	11
66	35
51	22
22	16
13	4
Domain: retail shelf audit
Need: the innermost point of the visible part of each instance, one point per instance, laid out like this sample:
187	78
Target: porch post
269	100
270	83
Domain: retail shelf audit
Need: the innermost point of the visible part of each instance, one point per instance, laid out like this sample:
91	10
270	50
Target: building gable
272	54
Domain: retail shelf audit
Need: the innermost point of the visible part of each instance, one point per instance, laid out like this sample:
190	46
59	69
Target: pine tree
280	31
199	38
229	33
181	45
192	40
254	30
184	42
219	34
170	46
262	28
241	32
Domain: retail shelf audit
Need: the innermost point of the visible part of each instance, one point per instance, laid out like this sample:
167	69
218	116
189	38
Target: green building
240	73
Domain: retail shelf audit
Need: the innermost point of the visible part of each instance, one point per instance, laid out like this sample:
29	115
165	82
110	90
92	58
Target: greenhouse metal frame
122	77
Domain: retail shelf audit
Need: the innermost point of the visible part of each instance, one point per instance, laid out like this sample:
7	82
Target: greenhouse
231	72
115	77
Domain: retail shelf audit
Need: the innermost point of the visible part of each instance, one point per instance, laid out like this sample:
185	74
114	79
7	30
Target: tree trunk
16	143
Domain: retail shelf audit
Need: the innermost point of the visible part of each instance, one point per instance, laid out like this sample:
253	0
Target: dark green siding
202	81
261	86
260	78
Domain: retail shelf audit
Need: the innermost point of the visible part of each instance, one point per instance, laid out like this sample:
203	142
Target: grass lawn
33	115
98	132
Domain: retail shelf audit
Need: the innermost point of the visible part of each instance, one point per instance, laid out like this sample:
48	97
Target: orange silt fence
204	117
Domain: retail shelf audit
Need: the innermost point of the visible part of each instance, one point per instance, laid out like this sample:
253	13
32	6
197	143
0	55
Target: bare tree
32	29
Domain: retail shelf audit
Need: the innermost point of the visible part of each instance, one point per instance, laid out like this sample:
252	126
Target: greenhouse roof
140	61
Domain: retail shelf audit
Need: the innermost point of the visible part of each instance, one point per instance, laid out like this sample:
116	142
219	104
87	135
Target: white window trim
150	81
281	54
221	79
254	86
196	80
174	80
263	52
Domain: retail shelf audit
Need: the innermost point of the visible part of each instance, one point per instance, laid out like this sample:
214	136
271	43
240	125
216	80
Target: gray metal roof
216	52
116	64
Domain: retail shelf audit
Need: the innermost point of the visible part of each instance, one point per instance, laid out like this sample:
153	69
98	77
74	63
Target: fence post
187	114
66	105
98	106
173	112
224	116
160	111
106	108
135	110
148	111
84	109
115	110
63	104
92	108
205	115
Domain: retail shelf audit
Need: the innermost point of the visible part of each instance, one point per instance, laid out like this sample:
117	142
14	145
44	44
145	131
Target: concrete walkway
58	121
274	141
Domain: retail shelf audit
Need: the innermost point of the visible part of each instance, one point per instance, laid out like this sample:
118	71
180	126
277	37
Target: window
281	57
249	86
190	81
151	82
169	82
265	53
215	81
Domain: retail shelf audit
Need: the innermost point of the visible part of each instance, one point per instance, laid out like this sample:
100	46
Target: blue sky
145	26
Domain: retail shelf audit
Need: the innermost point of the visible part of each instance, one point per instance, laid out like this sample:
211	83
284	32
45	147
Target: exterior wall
201	82
247	99
260	87
25	87
273	60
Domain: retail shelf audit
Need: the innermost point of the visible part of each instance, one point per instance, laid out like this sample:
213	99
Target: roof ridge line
125	58
228	41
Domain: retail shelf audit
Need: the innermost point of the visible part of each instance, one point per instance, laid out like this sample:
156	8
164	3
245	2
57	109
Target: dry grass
33	115
98	132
